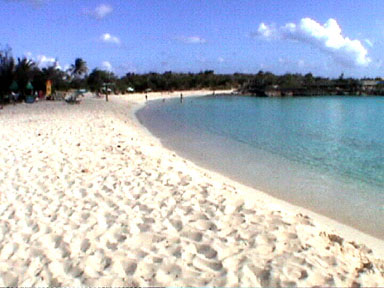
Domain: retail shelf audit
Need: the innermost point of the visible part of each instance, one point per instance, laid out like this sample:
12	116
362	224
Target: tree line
23	71
269	84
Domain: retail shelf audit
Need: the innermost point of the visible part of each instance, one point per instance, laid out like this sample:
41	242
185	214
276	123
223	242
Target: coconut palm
24	73
79	68
7	70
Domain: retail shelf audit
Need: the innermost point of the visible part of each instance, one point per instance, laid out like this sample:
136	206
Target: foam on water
322	153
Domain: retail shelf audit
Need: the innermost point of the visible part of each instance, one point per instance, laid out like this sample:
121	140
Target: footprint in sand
185	181
57	239
144	227
204	264
193	235
120	237
176	251
9	279
204	225
85	244
207	251
85	216
111	246
146	272
177	224
129	267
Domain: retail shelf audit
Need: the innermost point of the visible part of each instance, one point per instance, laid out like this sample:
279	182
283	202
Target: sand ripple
87	198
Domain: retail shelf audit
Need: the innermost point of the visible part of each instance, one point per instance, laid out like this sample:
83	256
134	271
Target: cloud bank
327	38
108	38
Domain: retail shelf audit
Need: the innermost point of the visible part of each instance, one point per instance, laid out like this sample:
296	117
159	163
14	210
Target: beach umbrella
29	86
14	86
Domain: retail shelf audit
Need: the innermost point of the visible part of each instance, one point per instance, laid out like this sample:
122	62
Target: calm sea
322	153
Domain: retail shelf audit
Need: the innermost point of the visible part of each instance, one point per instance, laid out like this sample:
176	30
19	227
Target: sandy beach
89	197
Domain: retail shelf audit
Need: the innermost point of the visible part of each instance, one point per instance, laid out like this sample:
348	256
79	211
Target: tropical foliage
7	69
98	78
79	68
25	71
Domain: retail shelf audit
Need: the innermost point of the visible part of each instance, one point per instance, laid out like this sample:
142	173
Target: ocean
322	153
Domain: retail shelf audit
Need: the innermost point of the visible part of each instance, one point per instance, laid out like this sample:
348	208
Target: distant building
273	93
368	85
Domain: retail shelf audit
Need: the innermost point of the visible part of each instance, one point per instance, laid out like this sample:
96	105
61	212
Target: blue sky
324	37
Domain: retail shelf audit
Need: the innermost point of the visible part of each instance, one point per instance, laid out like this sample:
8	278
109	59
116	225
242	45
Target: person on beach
14	97
181	97
146	97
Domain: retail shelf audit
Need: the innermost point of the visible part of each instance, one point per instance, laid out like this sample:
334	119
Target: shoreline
348	232
90	198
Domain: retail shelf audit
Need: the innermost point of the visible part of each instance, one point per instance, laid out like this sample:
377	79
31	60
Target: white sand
89	197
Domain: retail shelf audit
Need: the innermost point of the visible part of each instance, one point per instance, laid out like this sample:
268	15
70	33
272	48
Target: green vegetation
181	81
7	68
268	84
18	73
98	78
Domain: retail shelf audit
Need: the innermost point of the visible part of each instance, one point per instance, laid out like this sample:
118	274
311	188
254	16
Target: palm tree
78	72
79	68
7	71
25	69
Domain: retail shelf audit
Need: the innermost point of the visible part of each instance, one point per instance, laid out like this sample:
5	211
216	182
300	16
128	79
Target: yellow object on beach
48	85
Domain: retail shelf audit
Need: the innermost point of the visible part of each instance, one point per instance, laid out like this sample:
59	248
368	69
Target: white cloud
100	11
220	59
193	40
327	38
42	60
108	38
369	42
266	31
106	65
103	10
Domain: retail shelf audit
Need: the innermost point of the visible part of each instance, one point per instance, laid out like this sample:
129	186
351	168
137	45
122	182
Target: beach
89	197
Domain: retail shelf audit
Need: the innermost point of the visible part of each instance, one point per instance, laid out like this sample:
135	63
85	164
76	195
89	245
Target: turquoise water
322	153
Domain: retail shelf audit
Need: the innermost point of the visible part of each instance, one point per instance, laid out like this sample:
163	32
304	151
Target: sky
324	37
